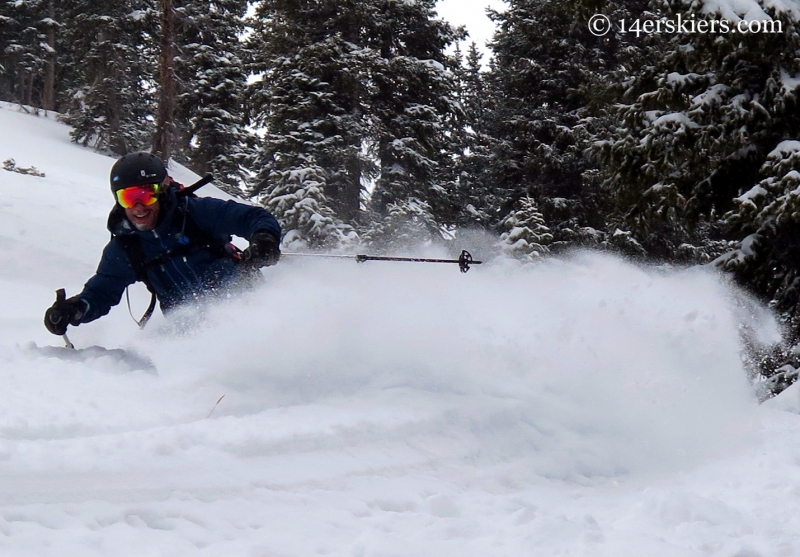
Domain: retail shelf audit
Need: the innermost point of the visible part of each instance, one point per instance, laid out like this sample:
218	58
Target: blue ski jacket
195	271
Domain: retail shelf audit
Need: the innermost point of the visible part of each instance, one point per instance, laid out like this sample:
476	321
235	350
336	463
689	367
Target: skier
178	245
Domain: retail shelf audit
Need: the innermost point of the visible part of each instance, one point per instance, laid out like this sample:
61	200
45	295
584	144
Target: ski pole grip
61	295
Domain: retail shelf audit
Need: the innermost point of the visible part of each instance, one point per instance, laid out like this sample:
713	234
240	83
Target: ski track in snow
582	406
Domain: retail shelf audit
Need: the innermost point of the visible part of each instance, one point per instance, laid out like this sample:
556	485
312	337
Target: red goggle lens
145	194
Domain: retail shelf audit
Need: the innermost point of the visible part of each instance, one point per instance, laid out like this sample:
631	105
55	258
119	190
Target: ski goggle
146	194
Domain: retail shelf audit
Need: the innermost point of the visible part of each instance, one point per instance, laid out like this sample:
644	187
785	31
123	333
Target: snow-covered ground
577	407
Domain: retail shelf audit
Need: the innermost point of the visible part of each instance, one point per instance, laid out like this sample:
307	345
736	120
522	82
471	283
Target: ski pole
67	342
189	190
61	295
464	261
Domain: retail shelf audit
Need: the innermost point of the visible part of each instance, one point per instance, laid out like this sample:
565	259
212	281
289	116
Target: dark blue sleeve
229	218
104	290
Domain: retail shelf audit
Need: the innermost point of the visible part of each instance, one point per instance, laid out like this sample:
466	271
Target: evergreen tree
307	220
106	78
550	79
766	218
28	48
113	47
473	196
210	66
700	125
7	34
311	100
405	223
414	103
526	235
348	83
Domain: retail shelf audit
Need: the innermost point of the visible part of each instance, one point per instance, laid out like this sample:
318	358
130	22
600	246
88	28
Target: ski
128	359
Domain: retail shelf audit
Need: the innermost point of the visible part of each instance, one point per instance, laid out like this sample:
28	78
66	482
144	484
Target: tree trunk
351	197
165	123
350	191
48	95
25	87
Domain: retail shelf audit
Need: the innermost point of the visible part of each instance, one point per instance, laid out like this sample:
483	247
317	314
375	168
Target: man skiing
178	245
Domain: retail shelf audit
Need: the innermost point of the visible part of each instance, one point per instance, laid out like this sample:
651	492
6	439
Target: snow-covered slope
578	407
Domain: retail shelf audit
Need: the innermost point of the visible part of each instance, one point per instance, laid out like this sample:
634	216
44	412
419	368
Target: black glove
63	313
264	249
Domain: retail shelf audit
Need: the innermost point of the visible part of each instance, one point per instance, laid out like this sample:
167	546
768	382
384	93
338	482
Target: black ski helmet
135	169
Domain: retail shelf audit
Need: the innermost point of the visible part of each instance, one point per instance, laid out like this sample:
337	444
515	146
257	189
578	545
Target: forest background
375	123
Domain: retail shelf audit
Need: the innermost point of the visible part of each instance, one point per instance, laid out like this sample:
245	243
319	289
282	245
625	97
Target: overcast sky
471	14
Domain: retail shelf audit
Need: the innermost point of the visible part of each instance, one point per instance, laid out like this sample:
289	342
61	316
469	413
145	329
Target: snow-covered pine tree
210	118
22	56
311	100
347	83
766	260
414	103
406	223
7	35
766	218
550	79
113	59
526	236
698	127
28	47
472	195
297	197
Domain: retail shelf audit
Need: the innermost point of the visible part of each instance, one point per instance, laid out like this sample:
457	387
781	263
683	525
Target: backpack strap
191	238
132	246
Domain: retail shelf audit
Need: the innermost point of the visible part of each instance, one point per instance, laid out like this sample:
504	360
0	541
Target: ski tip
116	358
